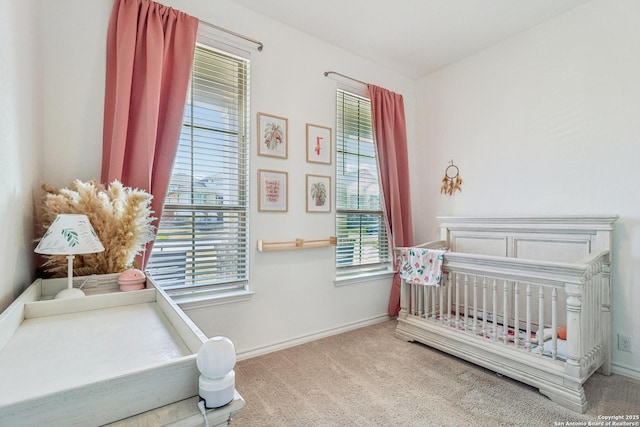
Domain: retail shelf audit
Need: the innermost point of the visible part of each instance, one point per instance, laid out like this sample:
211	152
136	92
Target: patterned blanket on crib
421	266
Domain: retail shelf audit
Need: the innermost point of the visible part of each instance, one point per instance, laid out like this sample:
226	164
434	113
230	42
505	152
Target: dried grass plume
121	217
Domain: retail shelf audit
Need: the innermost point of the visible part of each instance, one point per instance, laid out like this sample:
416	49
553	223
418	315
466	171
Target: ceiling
412	37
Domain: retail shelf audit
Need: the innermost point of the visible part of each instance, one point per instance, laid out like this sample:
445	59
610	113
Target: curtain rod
326	74
249	39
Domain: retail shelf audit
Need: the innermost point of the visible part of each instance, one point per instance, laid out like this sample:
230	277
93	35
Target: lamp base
217	392
69	293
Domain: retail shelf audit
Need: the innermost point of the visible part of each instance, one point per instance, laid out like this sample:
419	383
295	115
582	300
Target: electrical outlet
624	343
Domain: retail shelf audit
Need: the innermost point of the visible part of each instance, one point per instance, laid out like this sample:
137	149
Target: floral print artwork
319	193
273	135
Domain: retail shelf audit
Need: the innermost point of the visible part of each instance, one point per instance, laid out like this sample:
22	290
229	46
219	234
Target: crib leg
402	335
605	320
575	400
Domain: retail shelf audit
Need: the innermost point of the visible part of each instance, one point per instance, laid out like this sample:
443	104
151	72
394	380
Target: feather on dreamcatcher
451	181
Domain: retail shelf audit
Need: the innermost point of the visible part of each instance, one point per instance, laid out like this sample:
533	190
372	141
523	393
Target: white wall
545	123
20	143
74	46
295	296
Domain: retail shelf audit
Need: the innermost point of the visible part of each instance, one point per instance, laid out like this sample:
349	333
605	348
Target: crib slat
528	332
432	311
541	320
475	304
594	311
426	307
598	288
485	314
412	303
451	284
426	290
516	314
554	324
465	316
495	310
441	294
457	306
505	319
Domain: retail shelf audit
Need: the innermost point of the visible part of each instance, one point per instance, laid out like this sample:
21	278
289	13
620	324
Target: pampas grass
121	217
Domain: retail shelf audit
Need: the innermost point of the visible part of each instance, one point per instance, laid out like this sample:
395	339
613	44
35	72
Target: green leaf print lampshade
69	234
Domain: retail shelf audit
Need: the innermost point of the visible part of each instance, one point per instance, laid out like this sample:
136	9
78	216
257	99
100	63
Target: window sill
187	302
362	277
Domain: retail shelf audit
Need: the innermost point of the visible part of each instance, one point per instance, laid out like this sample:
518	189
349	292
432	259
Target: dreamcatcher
451	181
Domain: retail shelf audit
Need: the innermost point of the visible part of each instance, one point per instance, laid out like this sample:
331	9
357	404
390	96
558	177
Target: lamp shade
216	358
69	234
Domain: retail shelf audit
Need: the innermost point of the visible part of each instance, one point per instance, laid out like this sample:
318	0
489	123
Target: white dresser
127	358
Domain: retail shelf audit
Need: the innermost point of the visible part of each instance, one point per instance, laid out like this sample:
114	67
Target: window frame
358	272
203	294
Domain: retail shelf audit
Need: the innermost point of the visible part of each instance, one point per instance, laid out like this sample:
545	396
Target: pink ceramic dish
132	280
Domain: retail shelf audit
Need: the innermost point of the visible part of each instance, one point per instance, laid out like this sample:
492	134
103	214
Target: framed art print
318	193
273	136
272	191
318	144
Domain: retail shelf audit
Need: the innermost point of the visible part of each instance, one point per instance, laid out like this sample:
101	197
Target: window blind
360	227
202	239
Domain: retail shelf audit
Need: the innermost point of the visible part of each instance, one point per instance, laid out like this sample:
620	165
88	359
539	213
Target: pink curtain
390	136
150	49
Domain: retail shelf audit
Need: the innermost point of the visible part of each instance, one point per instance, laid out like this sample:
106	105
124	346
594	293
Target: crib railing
512	301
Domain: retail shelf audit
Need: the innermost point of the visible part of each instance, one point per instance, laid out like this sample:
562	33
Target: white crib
508	282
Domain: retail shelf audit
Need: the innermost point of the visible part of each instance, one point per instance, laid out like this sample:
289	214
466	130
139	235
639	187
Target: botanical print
318	193
71	236
272	136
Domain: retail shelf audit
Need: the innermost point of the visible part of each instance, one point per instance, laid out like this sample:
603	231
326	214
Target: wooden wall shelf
296	244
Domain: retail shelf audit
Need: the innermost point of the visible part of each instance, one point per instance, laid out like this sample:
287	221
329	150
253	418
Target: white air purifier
215	360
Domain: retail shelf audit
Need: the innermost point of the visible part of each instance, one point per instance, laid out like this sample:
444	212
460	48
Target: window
201	247
363	245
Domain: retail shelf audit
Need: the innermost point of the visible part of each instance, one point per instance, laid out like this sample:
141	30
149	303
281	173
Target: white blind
202	239
361	231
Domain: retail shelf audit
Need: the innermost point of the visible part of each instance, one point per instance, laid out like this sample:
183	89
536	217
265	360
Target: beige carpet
367	377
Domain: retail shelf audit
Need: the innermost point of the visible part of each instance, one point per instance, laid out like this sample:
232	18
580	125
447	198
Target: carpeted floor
367	377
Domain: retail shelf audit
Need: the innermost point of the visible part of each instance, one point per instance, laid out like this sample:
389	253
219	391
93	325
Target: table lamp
215	361
69	234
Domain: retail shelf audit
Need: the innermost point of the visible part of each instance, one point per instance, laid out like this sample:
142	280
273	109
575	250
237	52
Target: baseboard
616	368
311	337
